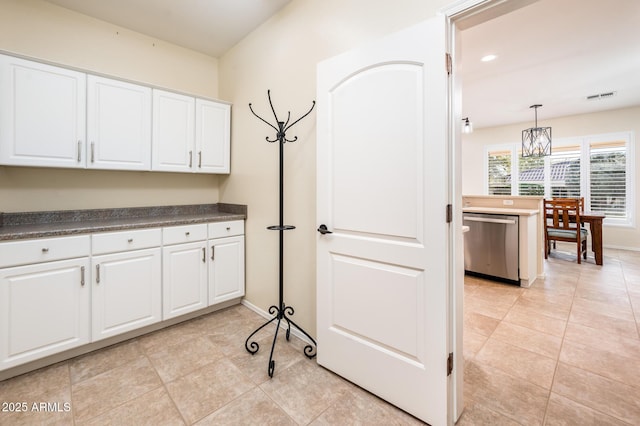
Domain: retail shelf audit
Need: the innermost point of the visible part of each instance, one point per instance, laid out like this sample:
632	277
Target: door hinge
449	213
450	364
448	62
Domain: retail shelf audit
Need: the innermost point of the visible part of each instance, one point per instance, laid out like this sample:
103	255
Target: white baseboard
622	248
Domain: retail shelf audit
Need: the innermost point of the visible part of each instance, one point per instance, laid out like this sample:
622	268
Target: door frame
460	15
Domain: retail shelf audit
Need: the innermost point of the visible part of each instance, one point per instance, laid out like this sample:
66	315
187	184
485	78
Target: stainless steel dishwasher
491	246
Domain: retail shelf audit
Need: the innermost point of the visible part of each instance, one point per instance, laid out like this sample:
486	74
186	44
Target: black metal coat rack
282	311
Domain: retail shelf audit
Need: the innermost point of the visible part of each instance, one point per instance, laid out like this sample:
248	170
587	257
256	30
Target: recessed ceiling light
488	58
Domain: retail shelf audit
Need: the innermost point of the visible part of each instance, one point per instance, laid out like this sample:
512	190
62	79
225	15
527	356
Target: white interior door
382	188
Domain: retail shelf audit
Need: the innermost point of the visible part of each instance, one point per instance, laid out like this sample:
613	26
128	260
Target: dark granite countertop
16	226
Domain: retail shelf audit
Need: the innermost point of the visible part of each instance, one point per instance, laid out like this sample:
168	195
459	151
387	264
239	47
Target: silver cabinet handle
200	159
204	254
187	234
228	228
82	276
97	274
79	150
213	252
130	240
93	151
190	158
489	220
45	249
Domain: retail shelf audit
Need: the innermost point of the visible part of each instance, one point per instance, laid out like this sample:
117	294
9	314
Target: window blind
608	178
564	173
499	165
531	176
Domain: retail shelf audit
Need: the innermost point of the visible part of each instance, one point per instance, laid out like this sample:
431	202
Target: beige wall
47	32
282	55
628	119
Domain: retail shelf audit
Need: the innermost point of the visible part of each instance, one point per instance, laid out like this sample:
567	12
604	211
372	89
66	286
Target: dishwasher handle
490	220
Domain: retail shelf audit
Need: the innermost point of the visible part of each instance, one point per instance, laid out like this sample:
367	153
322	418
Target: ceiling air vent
601	96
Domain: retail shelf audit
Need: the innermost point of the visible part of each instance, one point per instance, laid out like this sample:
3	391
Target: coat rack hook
281	127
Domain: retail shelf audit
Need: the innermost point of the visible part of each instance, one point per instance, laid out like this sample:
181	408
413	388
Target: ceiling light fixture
467	127
536	141
488	58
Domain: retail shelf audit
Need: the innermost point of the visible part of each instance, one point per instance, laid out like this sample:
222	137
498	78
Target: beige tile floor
566	351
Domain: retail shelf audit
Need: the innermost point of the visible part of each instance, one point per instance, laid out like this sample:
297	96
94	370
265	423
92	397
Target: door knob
323	229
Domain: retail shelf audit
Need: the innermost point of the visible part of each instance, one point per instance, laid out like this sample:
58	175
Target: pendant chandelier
536	141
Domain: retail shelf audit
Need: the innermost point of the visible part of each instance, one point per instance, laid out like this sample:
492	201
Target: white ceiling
552	52
207	26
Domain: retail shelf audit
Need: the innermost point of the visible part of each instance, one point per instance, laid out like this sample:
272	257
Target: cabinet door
118	124
127	291
226	269
173	132
184	279
42	114
213	120
44	309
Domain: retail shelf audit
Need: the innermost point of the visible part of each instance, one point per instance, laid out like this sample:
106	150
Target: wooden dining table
594	219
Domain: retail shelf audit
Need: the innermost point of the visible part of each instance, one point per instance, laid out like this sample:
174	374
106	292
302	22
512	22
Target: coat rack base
280	313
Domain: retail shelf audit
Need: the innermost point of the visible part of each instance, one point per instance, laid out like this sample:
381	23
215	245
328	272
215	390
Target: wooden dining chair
566	198
562	223
581	208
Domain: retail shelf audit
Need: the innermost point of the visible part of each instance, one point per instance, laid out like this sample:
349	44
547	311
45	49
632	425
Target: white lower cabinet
44	307
184	270
60	293
126	284
226	263
203	272
126	292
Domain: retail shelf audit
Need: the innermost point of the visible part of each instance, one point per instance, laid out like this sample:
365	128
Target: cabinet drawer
184	234
112	242
24	252
226	229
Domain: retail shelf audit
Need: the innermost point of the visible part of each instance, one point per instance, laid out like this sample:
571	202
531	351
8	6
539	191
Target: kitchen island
531	228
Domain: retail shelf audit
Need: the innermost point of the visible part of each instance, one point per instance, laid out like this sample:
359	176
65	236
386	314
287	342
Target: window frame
584	143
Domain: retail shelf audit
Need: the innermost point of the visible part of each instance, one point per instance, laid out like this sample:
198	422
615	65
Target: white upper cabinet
213	136
190	134
173	132
118	124
56	117
42	114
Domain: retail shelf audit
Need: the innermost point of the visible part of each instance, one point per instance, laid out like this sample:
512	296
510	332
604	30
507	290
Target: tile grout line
509	415
73	411
163	385
564	333
580	368
636	317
